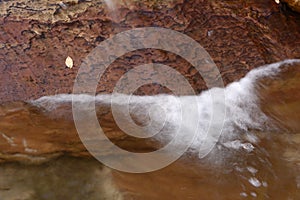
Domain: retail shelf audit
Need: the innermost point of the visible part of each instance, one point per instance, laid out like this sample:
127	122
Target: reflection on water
63	178
256	157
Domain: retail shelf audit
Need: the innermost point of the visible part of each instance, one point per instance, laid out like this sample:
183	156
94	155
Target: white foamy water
174	118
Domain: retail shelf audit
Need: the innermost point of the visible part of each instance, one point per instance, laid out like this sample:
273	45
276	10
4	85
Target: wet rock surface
36	38
38	131
32	134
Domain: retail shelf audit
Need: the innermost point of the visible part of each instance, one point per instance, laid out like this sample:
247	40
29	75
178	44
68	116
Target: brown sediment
36	38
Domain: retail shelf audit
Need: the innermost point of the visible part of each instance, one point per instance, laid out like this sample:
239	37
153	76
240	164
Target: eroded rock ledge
36	38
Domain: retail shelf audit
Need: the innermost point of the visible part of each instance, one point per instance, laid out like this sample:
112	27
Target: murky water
63	178
256	157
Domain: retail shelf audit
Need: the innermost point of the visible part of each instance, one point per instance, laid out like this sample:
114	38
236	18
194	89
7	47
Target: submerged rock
63	178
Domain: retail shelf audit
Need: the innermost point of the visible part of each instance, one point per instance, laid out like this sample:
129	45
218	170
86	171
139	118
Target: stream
255	157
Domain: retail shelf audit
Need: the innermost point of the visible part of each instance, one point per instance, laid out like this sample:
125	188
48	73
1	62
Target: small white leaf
69	62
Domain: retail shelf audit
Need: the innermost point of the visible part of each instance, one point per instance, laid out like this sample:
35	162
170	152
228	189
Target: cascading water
253	157
243	113
237	151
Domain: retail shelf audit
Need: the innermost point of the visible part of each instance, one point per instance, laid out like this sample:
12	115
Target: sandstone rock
34	135
38	36
37	43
